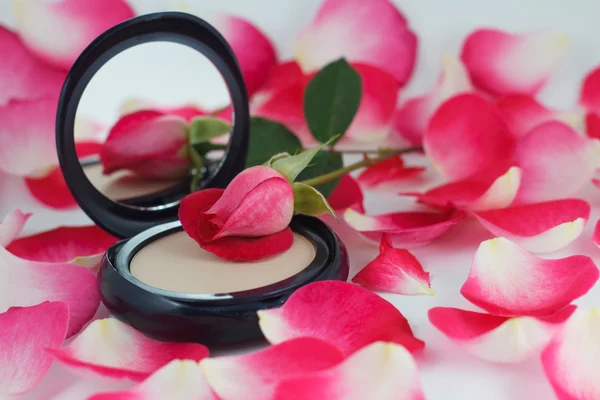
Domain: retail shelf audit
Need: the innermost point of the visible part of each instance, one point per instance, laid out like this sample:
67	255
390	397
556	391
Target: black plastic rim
123	220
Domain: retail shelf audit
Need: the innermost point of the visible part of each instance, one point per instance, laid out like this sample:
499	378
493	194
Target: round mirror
152	123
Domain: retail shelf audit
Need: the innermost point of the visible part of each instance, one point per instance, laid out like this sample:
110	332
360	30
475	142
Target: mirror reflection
152	122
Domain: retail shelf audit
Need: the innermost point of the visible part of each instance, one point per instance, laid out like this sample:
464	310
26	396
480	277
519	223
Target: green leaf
324	162
309	201
331	100
268	138
203	129
292	166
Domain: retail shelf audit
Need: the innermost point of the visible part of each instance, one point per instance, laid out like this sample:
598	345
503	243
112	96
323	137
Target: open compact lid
148	202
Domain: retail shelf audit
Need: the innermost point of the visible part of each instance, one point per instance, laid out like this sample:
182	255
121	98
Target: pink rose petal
113	349
372	32
539	227
58	31
589	96
495	338
592	125
255	375
25	333
178	380
571	359
466	135
405	229
502	63
556	162
22	75
346	194
386	174
596	236
394	270
382	371
506	280
12	225
329	310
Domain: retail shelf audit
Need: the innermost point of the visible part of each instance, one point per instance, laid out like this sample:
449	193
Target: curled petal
12	225
385	371
338	30
570	360
111	348
405	229
44	281
255	375
466	135
25	333
22	75
495	338
596	236
328	310
394	270
346	194
589	96
502	63
522	113
539	227
506	280
387	173
178	380
73	26
556	162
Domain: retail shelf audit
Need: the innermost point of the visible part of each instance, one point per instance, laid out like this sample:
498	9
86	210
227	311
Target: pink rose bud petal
328	310
506	280
502	63
539	227
113	349
495	338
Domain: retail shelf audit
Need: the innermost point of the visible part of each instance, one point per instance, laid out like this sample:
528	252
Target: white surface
447	372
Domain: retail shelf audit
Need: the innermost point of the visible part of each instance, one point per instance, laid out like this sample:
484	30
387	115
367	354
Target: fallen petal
57	32
506	280
495	338
556	162
250	248
539	227
346	194
25	333
178	380
328	310
255	375
387	174
502	63
589	96
12	225
570	360
596	237
385	371
466	135
113	349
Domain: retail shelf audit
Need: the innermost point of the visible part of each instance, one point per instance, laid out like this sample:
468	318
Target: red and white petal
12	225
25	333
539	227
507	280
386	174
596	235
178	380
58	31
31	282
328	310
396	271
22	75
405	229
280	76
346	194
372	32
412	118
255	375
592	125
502	63
466	135
522	113
589	96
495	338
27	136
556	162
571	359
113	349
385	371
253	49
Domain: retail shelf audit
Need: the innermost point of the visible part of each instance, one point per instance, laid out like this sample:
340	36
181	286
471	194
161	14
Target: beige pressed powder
176	263
123	185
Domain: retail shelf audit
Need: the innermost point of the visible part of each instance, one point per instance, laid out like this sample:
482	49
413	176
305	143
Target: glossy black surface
220	318
123	220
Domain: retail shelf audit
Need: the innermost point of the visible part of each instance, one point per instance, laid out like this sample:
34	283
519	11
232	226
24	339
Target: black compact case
218	318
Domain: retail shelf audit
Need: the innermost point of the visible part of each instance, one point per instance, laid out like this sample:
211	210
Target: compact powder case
156	278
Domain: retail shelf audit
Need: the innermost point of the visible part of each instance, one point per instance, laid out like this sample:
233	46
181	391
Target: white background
447	372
